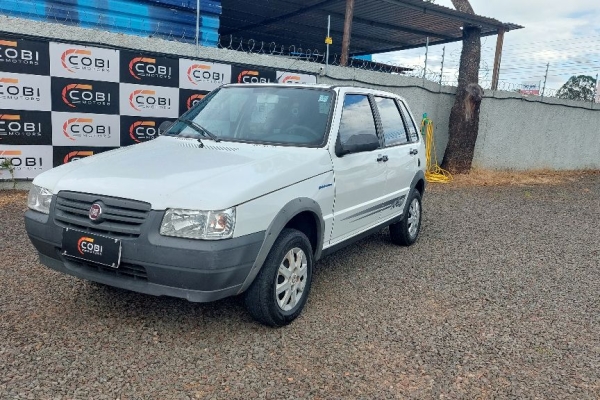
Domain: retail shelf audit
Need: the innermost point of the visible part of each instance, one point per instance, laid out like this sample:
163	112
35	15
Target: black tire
400	232
261	299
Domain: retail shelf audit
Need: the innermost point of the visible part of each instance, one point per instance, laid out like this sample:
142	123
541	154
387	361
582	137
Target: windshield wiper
200	129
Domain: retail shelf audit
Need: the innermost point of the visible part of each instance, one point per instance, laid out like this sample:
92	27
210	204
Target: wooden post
347	31
497	59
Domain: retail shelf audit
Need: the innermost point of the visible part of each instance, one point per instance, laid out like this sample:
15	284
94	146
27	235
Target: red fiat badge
95	212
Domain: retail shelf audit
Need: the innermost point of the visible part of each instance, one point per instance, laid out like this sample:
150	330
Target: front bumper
196	270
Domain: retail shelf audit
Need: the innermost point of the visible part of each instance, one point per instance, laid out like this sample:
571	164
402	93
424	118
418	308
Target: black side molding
360	236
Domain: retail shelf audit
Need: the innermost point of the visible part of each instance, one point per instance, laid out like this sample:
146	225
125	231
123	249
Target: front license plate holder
91	247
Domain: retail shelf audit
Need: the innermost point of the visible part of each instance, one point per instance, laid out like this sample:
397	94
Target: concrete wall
515	132
524	133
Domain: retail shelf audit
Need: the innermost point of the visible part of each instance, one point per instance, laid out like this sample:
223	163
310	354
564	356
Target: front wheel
280	290
406	232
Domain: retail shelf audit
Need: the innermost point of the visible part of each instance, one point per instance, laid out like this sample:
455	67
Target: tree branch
463	6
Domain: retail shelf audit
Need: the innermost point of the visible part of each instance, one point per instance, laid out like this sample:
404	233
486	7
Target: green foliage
579	87
6	164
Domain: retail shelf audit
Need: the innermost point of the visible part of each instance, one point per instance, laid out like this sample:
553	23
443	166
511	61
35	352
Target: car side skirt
360	236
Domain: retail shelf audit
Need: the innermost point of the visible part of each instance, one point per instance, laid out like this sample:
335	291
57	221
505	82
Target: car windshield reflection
261	114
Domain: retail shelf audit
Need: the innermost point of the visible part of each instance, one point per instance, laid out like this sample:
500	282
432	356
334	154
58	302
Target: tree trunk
464	116
463	6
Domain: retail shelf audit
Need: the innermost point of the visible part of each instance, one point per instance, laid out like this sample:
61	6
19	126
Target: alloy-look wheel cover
291	279
414	217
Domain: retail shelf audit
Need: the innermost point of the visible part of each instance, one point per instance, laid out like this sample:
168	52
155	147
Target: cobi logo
199	73
77	128
13	125
193	100
77	155
147	99
19	162
75	94
143	131
74	60
10	53
292	79
12	89
145	67
251	77
86	245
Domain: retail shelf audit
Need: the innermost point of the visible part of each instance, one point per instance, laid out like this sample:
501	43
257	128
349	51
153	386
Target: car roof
307	85
341	88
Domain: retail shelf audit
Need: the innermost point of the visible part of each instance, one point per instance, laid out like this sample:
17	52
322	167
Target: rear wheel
406	232
280	290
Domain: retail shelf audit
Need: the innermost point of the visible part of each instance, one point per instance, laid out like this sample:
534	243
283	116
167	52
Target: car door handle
381	158
413	152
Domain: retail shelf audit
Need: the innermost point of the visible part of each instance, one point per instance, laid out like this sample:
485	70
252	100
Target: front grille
120	218
125	270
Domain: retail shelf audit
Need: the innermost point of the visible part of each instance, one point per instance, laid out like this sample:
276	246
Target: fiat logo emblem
95	212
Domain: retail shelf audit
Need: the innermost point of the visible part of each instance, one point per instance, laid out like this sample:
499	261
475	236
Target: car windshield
260	114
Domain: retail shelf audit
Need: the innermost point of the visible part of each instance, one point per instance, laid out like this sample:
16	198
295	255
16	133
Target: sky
565	34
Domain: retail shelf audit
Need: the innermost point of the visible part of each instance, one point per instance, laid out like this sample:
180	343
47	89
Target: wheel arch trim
419	176
285	215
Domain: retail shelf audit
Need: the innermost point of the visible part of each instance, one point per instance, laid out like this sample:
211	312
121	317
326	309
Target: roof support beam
347	32
497	59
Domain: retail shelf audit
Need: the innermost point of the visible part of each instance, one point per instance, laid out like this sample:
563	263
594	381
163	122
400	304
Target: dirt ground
499	298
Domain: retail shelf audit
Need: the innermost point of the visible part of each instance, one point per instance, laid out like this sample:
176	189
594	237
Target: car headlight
193	224
39	199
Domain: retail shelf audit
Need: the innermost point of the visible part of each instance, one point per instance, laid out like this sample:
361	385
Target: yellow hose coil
433	172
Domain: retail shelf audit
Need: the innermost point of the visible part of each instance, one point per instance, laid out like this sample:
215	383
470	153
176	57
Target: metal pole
328	36
442	70
497	59
426	52
545	79
197	22
347	32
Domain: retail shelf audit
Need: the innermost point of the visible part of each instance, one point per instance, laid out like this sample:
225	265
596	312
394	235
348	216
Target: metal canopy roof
378	25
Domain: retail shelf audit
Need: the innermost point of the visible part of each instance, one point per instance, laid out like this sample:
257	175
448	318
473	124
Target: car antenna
287	69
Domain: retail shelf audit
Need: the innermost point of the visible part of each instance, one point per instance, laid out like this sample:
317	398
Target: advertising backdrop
60	102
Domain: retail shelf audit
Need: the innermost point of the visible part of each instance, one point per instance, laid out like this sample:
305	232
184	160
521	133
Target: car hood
176	173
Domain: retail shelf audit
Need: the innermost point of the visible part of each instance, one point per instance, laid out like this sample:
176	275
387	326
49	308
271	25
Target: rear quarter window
413	132
394	130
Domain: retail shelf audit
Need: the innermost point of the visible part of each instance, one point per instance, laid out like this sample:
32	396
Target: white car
241	195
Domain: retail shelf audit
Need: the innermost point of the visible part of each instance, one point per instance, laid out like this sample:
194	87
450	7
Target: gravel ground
498	299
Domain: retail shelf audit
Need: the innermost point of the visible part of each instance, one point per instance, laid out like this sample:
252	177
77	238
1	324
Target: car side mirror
357	143
162	128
